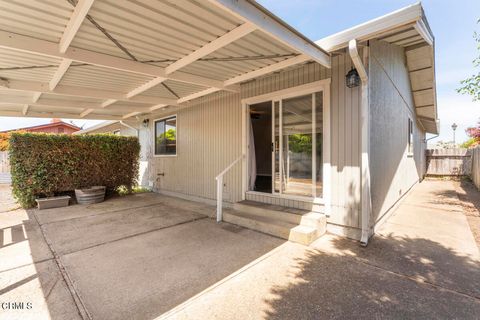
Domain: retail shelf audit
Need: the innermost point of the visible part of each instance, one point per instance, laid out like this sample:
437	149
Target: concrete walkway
150	256
423	264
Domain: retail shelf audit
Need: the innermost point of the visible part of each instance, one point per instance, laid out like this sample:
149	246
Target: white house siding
345	137
393	171
209	135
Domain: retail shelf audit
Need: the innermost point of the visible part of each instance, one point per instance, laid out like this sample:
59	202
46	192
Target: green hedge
48	164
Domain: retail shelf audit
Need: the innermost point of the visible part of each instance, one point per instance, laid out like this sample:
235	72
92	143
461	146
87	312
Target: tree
474	134
471	85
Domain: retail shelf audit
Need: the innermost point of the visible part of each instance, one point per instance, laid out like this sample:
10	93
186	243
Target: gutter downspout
129	126
366	199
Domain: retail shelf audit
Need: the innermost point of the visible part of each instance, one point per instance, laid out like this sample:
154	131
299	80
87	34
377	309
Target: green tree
471	85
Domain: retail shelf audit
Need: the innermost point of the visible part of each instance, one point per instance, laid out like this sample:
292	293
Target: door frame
322	85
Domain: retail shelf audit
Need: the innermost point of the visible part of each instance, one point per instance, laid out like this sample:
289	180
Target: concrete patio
147	256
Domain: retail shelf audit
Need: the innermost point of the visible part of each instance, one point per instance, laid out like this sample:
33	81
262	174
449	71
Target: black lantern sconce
145	123
352	78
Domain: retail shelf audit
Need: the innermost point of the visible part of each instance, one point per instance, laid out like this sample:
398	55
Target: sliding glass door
297	145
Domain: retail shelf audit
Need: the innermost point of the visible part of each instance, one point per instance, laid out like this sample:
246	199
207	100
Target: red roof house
55	126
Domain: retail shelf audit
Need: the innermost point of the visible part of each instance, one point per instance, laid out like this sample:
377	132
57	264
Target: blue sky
452	22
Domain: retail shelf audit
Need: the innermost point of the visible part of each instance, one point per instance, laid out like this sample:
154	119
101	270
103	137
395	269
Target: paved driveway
149	256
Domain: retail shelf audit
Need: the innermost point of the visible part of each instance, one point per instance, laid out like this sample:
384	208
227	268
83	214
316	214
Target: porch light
352	78
145	123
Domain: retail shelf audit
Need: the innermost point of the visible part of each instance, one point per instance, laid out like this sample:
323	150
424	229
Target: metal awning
408	28
113	60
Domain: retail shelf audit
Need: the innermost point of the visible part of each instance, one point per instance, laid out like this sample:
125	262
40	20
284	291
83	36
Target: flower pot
91	195
52	202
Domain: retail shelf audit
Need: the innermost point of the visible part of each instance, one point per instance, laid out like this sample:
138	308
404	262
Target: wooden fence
449	162
475	174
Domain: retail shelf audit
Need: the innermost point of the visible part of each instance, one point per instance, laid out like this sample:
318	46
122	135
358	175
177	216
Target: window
410	137
166	136
116	132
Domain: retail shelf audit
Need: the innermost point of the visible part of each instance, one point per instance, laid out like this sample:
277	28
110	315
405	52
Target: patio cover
114	60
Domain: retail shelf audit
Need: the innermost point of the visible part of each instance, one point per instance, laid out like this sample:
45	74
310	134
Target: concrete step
263	224
292	224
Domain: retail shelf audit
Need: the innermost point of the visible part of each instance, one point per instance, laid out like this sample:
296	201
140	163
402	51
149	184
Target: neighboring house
336	127
55	126
114	127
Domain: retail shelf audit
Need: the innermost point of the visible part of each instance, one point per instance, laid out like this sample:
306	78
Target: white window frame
410	137
322	85
154	138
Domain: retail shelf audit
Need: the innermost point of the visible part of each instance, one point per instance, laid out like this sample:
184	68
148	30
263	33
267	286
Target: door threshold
288	197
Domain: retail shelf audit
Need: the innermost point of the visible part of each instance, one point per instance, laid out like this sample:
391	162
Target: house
235	107
55	126
111	126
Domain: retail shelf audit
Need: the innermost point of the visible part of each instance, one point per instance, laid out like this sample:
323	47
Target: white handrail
219	179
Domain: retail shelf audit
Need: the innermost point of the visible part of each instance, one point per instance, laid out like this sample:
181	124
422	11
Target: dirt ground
469	198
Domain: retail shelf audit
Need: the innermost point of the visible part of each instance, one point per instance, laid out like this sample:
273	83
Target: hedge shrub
48	164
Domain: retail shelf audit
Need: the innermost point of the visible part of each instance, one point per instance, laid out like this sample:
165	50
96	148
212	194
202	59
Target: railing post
219	197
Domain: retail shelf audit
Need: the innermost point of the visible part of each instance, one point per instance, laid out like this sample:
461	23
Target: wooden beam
197	95
76	20
45	48
85	112
144	87
158	106
248	11
131	114
4	113
21	85
51	103
250	75
108	102
61	70
25	110
212	46
36	96
268	69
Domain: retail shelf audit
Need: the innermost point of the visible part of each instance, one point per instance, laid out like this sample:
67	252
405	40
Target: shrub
48	164
4	137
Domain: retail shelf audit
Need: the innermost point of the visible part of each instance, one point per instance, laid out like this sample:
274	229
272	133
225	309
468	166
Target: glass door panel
319	144
296	165
276	114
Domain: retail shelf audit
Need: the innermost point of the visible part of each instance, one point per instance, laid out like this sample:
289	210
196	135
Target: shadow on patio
393	278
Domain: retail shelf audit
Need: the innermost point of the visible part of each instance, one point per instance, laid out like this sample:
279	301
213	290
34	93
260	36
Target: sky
452	22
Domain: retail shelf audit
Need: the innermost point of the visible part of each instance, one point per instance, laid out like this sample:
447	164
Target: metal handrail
219	179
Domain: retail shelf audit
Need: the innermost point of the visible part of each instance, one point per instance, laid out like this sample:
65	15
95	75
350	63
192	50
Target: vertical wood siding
345	103
208	140
393	170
